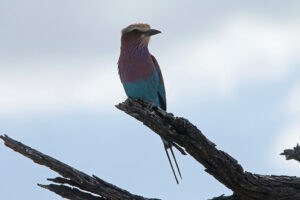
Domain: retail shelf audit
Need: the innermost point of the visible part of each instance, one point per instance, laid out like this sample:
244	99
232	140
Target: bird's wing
162	99
119	72
161	88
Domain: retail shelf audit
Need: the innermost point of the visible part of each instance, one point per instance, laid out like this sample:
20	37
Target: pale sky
232	68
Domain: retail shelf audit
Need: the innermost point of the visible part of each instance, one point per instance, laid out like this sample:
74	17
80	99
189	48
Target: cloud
292	102
241	50
58	86
287	138
289	135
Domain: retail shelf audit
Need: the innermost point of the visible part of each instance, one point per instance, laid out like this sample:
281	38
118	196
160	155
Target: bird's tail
167	146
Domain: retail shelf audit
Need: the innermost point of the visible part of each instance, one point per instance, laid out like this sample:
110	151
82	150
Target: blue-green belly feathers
144	89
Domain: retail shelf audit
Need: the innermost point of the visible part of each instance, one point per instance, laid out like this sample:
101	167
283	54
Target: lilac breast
135	65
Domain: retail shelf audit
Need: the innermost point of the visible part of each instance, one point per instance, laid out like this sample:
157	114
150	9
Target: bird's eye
135	31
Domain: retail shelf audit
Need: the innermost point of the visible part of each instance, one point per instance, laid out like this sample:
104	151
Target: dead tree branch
77	185
245	185
292	153
223	197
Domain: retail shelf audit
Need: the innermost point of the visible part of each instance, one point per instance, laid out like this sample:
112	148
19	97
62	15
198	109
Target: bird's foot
150	105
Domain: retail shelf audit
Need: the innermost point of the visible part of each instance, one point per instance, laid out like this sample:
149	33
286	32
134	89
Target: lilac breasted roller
140	73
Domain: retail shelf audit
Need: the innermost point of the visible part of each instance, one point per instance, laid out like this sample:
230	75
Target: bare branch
73	177
77	185
70	193
292	153
245	185
222	197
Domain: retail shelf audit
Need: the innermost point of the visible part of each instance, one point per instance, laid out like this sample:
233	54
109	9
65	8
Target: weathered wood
245	185
292	153
70	193
72	177
223	197
75	184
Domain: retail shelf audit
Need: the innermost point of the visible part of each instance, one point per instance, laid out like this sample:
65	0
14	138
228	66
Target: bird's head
139	33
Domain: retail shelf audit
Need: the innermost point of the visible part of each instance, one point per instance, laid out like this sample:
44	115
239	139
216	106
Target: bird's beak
151	32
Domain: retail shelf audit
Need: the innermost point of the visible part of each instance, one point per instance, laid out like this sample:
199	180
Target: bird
140	73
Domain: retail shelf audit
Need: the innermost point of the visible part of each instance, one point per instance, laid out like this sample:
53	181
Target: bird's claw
150	105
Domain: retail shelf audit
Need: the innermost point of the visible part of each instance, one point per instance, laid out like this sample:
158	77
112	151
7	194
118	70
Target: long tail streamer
166	149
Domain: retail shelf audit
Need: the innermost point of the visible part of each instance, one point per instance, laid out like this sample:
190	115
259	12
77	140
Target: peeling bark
187	138
292	153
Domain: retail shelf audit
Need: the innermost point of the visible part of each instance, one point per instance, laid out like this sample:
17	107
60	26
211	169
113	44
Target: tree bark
179	131
77	181
77	185
292	153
